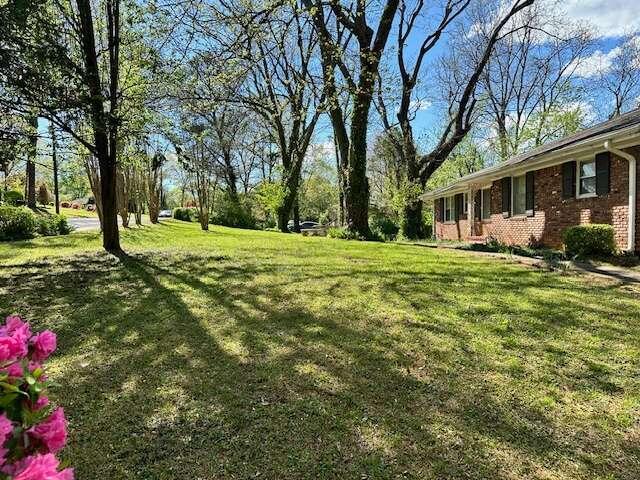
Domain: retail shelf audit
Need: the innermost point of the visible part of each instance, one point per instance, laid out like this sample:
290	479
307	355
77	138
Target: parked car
308	224
165	213
303	225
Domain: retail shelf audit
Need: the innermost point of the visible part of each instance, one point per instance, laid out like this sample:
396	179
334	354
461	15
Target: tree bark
31	165
105	137
54	160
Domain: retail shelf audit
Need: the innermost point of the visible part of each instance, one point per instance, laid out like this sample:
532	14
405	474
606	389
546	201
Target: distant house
588	177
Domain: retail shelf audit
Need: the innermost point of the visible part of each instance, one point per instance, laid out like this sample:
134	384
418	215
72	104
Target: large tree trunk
291	183
357	188
110	233
296	215
412	221
31	165
54	160
104	137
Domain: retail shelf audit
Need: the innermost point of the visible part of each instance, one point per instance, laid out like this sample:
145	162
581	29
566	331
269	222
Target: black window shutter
459	199
478	204
603	163
441	209
569	180
506	196
530	194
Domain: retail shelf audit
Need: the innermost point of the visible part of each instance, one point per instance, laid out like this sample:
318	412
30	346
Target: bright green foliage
232	214
186	214
12	197
52	224
269	196
589	240
17	223
241	351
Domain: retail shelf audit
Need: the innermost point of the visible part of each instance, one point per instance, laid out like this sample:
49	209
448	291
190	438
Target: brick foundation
552	213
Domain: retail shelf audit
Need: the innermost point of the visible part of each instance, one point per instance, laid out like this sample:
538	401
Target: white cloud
420	104
595	63
612	18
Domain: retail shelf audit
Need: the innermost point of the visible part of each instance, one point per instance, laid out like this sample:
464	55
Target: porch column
471	202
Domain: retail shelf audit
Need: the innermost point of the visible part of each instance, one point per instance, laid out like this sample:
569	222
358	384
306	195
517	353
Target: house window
519	189
465	204
587	178
485	199
448	209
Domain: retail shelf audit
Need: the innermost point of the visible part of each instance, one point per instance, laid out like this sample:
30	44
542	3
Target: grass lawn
72	212
240	354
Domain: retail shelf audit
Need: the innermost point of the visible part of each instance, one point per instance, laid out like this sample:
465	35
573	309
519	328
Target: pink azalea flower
6	430
44	344
42	402
41	467
14	370
13	339
52	432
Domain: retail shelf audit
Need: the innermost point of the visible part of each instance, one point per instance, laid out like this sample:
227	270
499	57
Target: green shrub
13	197
343	233
384	227
186	214
589	240
233	214
17	223
50	225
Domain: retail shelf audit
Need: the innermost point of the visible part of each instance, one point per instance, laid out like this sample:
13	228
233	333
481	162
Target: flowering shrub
31	430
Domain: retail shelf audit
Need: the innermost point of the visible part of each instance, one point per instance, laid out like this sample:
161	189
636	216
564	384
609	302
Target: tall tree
530	77
279	85
352	21
462	96
80	56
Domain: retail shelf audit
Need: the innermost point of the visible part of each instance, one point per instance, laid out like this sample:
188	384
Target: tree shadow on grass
203	366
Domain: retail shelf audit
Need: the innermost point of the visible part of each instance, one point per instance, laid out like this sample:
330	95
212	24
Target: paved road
84	224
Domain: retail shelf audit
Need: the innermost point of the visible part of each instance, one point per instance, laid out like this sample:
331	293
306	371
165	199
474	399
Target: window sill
586	195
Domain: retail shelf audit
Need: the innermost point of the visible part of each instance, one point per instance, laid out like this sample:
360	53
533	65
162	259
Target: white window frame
482	217
451	201
578	178
465	204
513	203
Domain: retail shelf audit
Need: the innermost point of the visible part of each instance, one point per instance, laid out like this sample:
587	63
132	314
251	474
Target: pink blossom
14	370
13	339
42	402
44	344
52	432
12	348
41	467
6	430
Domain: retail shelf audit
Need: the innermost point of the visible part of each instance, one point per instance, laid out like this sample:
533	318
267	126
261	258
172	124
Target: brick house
588	177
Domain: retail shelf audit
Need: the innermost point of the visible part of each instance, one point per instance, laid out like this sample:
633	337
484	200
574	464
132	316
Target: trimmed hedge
589	240
17	223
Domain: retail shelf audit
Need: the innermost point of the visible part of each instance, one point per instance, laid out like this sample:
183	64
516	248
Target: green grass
72	212
241	354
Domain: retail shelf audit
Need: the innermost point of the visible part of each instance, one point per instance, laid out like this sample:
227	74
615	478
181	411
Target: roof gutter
625	135
631	231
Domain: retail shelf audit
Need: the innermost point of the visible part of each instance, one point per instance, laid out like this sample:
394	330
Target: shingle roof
617	123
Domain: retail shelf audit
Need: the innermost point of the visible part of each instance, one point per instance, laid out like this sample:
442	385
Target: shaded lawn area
242	354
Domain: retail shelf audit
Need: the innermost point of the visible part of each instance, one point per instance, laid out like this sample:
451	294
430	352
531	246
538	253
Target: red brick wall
553	214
